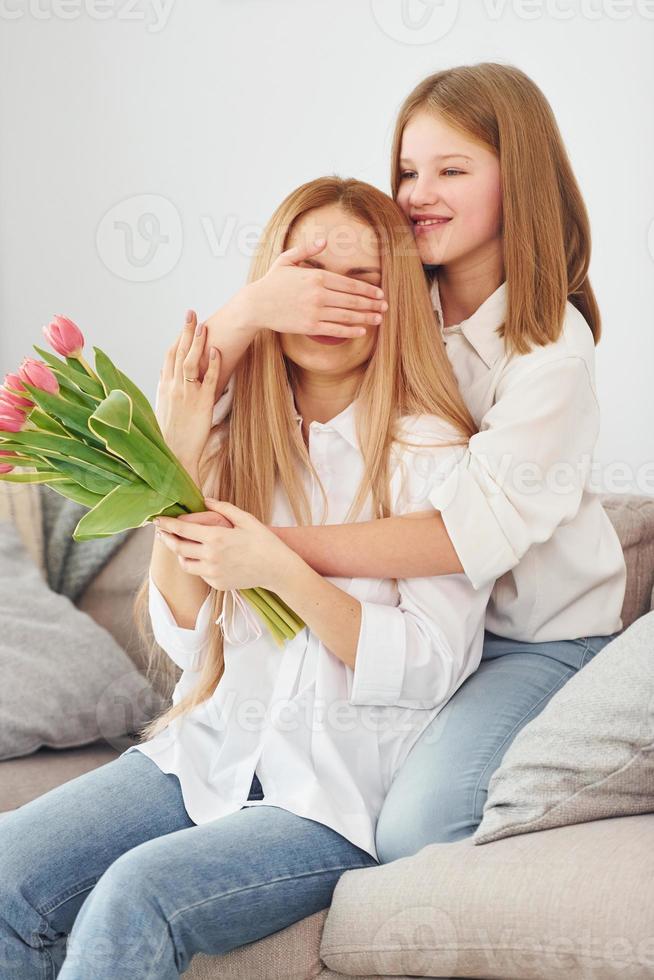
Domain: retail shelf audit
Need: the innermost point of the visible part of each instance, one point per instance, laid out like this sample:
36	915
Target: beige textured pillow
20	503
589	754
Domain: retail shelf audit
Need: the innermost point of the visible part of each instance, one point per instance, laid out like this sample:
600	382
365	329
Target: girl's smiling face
450	190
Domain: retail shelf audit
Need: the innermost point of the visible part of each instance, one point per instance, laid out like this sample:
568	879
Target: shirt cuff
380	657
183	645
480	543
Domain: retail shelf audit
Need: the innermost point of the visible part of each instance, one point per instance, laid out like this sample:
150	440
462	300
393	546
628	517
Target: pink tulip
13	381
4	468
38	374
13	400
64	336
11	419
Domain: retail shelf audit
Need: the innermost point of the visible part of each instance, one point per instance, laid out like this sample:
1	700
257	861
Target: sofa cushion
289	954
589	754
632	516
568	902
70	565
109	598
26	778
20	503
66	682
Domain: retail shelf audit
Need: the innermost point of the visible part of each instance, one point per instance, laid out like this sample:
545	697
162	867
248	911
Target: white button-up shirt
326	740
518	506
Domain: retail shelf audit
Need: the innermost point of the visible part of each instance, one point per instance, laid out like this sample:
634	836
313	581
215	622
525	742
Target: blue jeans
106	877
439	793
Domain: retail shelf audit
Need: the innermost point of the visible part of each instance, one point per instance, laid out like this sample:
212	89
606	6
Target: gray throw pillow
64	681
589	754
71	565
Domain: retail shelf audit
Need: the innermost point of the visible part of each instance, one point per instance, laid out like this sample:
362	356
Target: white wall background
144	143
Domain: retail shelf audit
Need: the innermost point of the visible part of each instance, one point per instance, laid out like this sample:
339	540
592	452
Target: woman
480	170
263	781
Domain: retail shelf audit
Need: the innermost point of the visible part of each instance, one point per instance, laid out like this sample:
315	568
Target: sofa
575	901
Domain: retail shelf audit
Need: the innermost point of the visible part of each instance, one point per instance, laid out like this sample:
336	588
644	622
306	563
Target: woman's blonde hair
259	443
546	231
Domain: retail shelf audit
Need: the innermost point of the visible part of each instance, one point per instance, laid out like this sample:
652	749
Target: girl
479	169
263	781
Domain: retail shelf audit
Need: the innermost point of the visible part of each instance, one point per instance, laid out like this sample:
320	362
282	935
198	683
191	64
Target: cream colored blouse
519	506
326	740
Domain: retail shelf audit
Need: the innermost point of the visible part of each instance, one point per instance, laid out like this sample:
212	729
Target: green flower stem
288	616
276	625
290	611
272	613
87	367
268	612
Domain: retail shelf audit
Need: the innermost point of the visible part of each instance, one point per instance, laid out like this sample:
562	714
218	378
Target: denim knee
23	930
444	817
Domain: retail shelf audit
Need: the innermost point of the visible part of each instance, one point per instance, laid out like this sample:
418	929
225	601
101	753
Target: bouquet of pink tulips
91	435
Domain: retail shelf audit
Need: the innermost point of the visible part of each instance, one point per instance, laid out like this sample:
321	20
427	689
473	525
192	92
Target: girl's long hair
259	443
546	231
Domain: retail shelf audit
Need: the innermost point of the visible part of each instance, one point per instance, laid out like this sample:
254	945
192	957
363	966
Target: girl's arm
414	654
522	475
412	546
246	553
428	631
231	329
329	612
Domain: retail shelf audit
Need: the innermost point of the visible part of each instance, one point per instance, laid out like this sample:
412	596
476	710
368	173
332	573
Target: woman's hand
184	409
244	556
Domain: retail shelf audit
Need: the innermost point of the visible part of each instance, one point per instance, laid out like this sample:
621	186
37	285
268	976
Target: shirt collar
344	423
480	329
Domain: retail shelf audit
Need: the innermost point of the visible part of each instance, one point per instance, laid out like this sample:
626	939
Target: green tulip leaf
86	475
143	415
73	491
44	421
73	417
112	377
163	474
125	507
32	477
115	410
66	447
